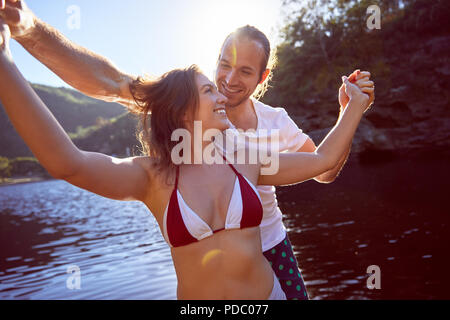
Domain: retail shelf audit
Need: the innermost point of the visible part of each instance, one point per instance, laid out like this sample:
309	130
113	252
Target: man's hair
269	61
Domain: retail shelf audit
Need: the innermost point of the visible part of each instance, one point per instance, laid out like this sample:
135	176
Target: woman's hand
5	35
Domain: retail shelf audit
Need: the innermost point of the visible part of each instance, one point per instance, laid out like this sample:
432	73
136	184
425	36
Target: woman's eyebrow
212	86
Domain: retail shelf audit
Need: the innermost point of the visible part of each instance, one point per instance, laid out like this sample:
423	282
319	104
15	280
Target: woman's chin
226	125
222	124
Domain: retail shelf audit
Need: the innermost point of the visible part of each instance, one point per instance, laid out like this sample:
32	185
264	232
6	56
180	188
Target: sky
149	36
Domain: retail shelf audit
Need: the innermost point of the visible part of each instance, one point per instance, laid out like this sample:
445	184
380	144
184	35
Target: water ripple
117	246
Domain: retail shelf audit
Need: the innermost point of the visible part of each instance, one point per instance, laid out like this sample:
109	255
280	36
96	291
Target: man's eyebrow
244	68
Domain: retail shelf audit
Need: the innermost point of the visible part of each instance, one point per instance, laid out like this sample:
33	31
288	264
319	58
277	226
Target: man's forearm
84	70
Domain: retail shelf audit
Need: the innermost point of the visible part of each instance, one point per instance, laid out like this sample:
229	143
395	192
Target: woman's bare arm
301	166
120	179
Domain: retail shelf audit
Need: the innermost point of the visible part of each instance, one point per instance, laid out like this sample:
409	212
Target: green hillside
116	136
72	109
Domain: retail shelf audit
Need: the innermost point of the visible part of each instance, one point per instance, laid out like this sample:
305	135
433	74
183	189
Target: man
242	69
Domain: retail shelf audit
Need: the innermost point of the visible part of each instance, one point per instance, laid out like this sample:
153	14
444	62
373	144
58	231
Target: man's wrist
31	34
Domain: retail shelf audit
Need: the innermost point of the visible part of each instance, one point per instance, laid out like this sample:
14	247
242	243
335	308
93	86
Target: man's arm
84	70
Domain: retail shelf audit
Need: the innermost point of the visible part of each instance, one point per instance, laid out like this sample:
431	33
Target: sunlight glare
212	21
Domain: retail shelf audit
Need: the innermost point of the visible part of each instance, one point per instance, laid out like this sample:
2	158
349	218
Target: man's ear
264	76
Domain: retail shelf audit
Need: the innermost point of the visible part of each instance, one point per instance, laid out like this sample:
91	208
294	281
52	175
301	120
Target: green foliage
325	39
5	168
114	137
20	166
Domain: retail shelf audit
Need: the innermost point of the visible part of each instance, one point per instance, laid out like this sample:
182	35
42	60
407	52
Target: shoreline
22	180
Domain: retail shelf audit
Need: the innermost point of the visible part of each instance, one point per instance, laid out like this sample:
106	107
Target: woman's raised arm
298	167
121	179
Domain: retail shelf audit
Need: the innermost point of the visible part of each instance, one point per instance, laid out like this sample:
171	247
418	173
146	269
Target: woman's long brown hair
165	102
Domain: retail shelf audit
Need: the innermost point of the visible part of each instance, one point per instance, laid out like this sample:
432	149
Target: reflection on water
48	226
393	215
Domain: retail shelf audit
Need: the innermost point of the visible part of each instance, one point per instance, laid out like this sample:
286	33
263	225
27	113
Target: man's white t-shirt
291	139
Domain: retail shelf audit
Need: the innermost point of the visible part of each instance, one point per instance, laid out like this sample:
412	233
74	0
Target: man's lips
228	90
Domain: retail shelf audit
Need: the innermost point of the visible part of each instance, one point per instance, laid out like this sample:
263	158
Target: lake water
48	226
394	215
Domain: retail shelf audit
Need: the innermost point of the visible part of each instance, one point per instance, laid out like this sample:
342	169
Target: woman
212	228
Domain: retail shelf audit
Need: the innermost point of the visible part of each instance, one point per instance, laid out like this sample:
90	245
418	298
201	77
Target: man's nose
231	78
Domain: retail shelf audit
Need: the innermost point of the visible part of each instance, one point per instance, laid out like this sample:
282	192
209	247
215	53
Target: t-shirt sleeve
291	136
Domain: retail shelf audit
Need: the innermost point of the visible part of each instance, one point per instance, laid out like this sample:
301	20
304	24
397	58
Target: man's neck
243	116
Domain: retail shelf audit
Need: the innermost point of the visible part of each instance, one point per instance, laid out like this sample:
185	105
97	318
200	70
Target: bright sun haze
150	36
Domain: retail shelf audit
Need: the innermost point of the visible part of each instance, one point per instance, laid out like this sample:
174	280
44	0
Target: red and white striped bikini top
182	226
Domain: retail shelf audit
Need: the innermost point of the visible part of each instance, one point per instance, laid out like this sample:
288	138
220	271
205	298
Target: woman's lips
220	111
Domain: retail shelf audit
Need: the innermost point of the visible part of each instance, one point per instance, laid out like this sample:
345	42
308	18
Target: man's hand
360	95
361	79
20	19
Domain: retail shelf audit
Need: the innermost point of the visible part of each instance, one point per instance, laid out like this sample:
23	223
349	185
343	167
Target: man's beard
239	102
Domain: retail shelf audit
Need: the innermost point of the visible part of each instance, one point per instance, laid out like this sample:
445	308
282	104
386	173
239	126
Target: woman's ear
264	76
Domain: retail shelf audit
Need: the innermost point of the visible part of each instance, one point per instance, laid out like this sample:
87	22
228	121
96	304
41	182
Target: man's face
239	69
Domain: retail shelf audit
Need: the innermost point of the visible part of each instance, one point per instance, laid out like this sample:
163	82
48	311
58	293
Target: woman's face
211	109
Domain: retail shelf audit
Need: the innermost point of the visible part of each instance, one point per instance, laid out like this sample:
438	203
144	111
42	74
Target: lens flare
234	54
210	255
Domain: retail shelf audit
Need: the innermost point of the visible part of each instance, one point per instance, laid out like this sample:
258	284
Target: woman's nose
221	99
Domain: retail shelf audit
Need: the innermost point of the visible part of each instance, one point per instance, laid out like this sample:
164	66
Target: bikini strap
176	179
231	166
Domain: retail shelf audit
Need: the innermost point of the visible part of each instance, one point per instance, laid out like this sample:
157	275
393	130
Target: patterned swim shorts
284	264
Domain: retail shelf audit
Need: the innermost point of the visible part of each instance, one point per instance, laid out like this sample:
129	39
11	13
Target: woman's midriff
227	265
